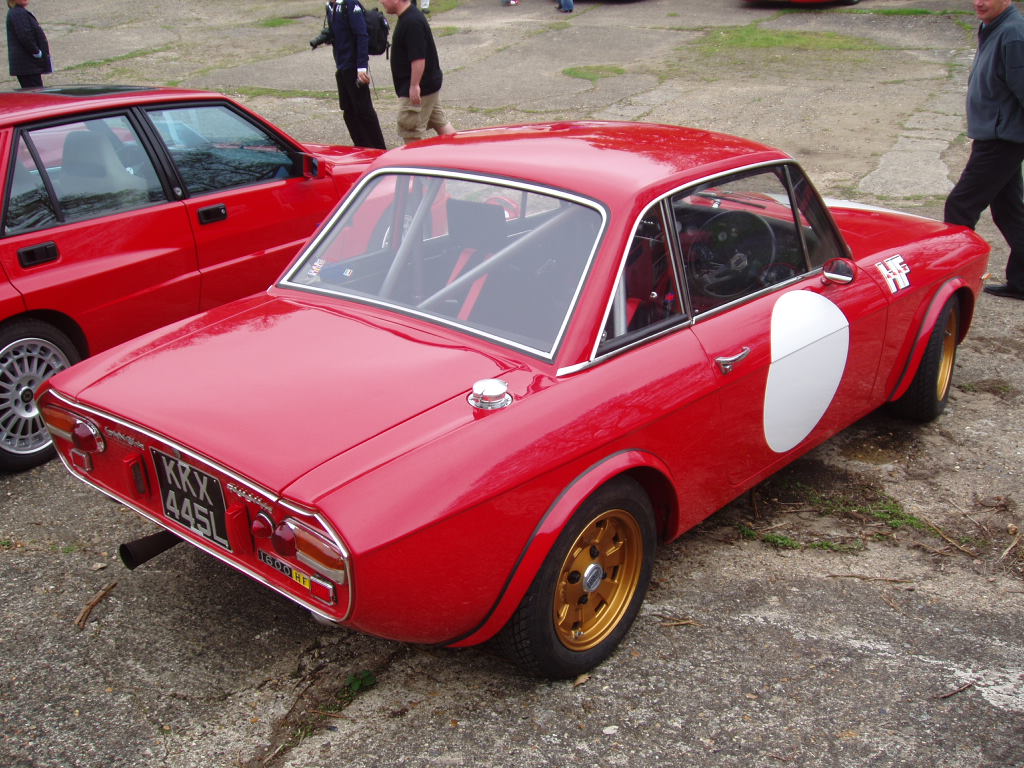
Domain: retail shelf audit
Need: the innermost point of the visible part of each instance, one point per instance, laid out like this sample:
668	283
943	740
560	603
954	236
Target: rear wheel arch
589	588
662	495
633	465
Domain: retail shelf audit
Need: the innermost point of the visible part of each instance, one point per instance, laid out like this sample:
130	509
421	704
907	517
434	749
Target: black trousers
992	179
30	81
357	110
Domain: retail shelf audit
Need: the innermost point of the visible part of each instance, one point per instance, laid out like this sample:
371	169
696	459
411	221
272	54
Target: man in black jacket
345	29
28	53
416	71
995	123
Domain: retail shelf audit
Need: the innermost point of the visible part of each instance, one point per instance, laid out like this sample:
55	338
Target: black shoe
1004	290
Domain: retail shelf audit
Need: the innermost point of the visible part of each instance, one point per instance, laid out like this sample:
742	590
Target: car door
795	355
89	231
248	202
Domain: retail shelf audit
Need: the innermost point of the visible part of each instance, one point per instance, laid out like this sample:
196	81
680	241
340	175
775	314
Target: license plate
192	498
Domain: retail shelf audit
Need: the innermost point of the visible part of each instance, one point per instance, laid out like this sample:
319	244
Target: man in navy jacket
995	122
345	27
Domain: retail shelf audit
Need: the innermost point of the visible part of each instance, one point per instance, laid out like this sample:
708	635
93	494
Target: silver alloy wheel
24	365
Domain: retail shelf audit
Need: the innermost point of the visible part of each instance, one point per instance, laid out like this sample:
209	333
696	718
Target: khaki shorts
413	121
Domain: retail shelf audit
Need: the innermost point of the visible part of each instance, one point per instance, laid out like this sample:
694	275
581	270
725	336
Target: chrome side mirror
839	271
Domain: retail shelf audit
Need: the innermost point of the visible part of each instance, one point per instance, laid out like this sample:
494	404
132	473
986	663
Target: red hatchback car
126	208
512	363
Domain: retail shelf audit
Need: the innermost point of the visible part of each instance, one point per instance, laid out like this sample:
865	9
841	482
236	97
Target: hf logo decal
895	271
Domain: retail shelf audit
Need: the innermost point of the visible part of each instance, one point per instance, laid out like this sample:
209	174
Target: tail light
314	549
83	435
295	539
68	426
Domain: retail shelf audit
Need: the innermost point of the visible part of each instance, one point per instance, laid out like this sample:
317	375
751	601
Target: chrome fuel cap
490	395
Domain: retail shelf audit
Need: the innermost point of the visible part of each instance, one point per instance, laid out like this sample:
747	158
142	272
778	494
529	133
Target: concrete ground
890	646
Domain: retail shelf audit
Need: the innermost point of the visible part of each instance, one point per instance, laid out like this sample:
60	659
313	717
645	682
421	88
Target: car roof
609	161
43	103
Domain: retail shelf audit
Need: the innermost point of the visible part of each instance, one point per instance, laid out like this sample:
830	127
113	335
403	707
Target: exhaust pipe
135	553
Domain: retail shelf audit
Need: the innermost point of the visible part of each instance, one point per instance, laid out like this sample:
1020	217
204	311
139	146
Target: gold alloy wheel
598	580
948	354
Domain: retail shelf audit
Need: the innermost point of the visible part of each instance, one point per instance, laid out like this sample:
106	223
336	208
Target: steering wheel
729	253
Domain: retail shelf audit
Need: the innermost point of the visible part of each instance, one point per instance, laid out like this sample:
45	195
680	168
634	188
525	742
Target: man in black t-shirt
417	73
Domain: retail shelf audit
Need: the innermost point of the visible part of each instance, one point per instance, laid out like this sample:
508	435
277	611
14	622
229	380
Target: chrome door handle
726	364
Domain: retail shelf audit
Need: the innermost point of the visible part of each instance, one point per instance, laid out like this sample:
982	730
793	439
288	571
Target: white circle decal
810	339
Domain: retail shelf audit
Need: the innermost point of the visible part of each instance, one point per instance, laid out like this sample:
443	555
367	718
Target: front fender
543	538
928	315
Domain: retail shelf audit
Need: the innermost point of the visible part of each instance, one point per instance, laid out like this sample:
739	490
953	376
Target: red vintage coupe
125	208
514	362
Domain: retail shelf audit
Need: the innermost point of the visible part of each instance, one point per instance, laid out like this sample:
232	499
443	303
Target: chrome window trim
511	183
202	460
690	317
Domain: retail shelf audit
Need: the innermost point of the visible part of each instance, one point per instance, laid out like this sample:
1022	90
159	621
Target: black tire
30	352
929	391
588	592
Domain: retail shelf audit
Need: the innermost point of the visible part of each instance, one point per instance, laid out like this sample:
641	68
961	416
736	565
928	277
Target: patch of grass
123	57
593	72
439	6
753	36
891	513
355	684
907	12
444	31
276	22
998	387
361	681
835	546
7	544
255	92
747	532
861	503
779	541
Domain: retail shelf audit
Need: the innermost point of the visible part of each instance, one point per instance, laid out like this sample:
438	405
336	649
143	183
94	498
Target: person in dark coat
27	50
345	30
995	123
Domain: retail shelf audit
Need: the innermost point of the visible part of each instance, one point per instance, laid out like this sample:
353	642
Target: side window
215	148
647	294
96	167
739	236
28	203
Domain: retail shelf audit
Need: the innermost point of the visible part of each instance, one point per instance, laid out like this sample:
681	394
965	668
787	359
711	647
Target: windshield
504	261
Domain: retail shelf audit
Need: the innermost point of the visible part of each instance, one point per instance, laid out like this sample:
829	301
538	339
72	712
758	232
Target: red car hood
276	387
